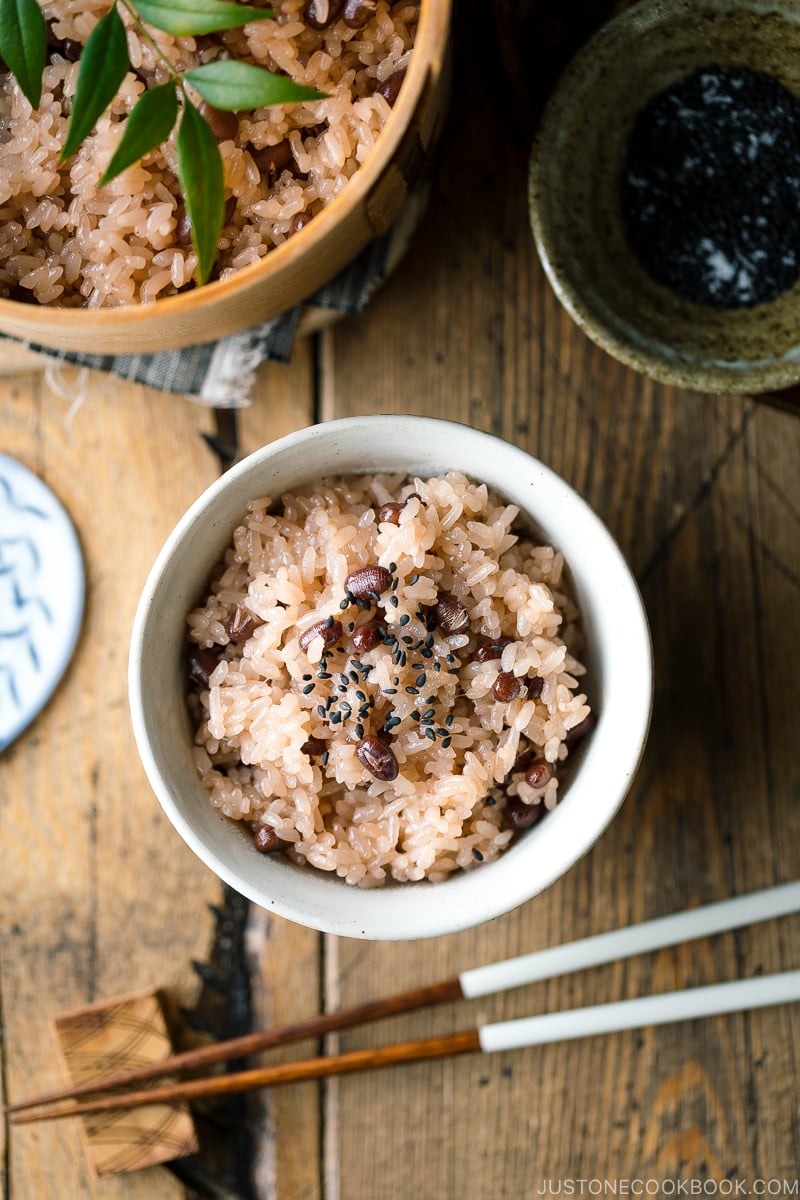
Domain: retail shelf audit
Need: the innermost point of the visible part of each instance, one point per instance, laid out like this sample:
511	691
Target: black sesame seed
390	691
477	854
437	667
360	696
489	801
442	732
413	579
451	658
394	601
321	709
324	675
325	758
394	584
340	649
308	688
336	718
449	720
415	715
429	641
344	604
344	680
412	691
703	132
428	714
429	733
406	640
430	700
354	676
421	680
306	677
426	653
392	568
396	681
374	596
351	626
359	731
401	658
345	709
446	743
405	619
329	623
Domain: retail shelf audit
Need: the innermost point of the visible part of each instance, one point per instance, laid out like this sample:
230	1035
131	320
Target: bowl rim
430	40
758	375
471	899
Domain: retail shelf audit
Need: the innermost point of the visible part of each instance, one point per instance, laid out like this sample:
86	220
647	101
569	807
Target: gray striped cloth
222	373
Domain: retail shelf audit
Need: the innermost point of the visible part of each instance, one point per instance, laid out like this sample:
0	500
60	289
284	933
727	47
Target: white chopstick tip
739	996
617	944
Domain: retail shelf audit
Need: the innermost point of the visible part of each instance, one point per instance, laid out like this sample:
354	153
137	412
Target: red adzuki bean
329	631
378	758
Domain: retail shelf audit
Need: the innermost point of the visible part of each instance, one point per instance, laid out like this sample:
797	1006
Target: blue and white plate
41	596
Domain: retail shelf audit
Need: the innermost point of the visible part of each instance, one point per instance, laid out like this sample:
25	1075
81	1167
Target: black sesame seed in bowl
663	192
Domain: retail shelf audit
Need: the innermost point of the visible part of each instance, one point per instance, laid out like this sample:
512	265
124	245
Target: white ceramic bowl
619	680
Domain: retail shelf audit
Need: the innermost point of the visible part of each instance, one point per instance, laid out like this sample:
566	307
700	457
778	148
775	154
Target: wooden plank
701	494
100	896
285	957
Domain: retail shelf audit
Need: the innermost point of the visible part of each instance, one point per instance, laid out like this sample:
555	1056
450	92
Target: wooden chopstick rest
99	1039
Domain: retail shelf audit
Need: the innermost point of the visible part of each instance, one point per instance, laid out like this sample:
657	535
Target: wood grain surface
100	897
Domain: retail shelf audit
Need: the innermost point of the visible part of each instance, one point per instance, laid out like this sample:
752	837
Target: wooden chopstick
243	1081
252	1043
745	994
479	981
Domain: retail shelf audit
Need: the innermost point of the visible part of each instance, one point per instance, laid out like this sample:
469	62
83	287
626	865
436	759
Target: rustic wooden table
100	896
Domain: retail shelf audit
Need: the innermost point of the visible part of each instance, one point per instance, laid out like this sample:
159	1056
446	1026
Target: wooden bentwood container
373	200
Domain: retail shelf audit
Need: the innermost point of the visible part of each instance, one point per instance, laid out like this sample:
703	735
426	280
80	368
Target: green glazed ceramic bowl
575	172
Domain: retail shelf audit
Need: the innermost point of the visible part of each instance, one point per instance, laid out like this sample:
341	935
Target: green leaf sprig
104	63
23	44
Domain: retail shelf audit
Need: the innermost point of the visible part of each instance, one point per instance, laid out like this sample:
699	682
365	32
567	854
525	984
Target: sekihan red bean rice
64	241
397	761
